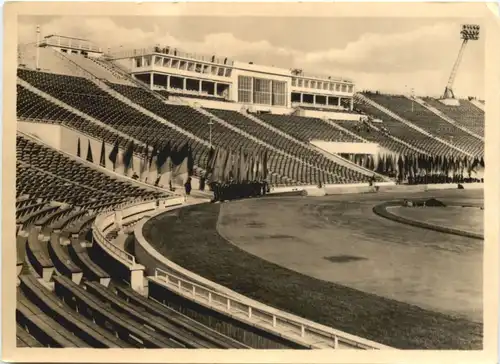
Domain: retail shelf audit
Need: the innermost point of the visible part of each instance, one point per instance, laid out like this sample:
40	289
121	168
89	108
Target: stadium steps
446	118
337	126
175	317
91	270
143	317
335	158
261	142
42	327
85	328
465	114
25	340
83	161
109	318
401	143
365	99
480	105
56	101
122	98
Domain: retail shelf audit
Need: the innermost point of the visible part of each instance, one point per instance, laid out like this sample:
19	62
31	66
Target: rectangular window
244	89
344	87
279	93
301	82
262	91
294	82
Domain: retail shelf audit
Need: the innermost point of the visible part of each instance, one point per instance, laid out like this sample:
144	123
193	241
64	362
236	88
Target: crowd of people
435	178
234	190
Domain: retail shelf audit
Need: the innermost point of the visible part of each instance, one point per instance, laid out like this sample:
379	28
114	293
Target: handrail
300	328
98	230
243	308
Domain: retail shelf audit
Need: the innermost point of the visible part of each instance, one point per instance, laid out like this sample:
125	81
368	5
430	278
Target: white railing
112	249
105	221
298	329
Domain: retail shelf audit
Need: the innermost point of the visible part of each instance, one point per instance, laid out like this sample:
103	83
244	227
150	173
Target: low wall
382	211
308	333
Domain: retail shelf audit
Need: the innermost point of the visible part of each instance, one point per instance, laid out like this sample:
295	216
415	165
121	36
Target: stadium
169	199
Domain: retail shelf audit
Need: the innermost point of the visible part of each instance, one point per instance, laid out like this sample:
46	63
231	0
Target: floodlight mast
468	32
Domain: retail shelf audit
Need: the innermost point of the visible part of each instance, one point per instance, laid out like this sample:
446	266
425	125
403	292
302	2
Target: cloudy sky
387	54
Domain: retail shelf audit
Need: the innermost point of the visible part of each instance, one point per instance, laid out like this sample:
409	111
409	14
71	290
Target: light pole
468	32
37	46
210	123
412	98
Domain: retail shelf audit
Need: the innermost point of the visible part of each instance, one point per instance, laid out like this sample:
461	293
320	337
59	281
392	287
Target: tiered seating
90	99
261	132
45	173
34	108
406	133
369	133
197	123
430	122
45	329
466	114
307	129
49	321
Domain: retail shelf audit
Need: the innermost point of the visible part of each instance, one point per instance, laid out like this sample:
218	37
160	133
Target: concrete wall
351	148
51	134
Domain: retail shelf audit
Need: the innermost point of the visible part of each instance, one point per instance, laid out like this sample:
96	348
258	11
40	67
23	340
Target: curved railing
232	304
214	296
106	221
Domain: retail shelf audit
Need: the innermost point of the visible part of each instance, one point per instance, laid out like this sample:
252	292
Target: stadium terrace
114	148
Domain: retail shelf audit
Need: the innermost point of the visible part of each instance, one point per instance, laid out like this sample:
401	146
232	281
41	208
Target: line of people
435	178
227	191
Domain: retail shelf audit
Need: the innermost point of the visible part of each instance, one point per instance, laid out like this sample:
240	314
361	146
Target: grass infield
189	237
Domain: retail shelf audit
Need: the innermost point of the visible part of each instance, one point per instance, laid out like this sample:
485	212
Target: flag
144	165
243	166
227	166
128	158
210	160
218	168
113	156
181	164
153	166
164	162
102	159
90	158
78	151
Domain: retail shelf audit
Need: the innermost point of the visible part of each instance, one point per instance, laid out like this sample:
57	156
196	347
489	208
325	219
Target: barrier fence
239	307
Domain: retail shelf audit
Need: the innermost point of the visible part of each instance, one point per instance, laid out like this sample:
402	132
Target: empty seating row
466	114
368	132
307	129
429	121
405	132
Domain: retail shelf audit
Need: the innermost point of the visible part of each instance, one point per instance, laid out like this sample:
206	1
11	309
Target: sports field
332	260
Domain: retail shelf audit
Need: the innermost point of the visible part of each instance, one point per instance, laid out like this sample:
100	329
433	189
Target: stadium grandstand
107	141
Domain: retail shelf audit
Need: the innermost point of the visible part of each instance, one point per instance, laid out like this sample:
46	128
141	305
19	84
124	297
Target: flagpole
37	46
210	123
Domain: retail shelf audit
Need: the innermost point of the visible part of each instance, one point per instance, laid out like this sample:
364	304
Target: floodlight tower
468	32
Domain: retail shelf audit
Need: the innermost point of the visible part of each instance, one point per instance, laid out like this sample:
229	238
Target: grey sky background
387	54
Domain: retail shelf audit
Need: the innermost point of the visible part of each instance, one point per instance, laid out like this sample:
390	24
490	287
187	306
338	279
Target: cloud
422	57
